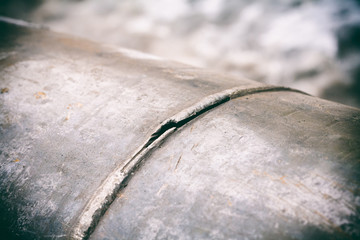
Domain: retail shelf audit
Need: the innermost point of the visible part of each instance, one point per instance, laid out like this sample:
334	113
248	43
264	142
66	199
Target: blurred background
311	45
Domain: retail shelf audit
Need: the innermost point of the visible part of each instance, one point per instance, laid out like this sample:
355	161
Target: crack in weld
118	179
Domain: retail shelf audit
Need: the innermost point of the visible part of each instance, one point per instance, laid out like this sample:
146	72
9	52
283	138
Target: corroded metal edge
117	180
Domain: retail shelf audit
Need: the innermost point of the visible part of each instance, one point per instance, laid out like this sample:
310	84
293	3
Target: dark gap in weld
167	126
119	188
160	135
177	124
186	120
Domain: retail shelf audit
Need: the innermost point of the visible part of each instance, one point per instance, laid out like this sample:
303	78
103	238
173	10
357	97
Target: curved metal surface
73	111
77	119
266	166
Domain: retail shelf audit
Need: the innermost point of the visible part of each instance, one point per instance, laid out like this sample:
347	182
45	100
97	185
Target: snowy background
311	45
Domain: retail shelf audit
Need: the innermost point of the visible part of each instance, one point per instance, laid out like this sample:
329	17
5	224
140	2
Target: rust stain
169	162
325	196
194	146
17	160
337	228
192	127
177	163
121	195
299	184
257	173
229	203
78	105
336	184
282	180
70	107
269	176
39	95
4	90
67	117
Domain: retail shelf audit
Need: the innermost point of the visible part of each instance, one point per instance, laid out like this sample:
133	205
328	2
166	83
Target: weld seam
118	179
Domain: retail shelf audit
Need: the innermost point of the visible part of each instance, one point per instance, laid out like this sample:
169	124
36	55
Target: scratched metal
70	112
266	166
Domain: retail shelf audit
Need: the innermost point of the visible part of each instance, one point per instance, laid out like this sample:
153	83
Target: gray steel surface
264	166
223	157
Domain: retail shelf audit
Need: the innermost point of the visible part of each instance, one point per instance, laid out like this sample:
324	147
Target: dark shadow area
18	8
8	213
348	51
8	227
